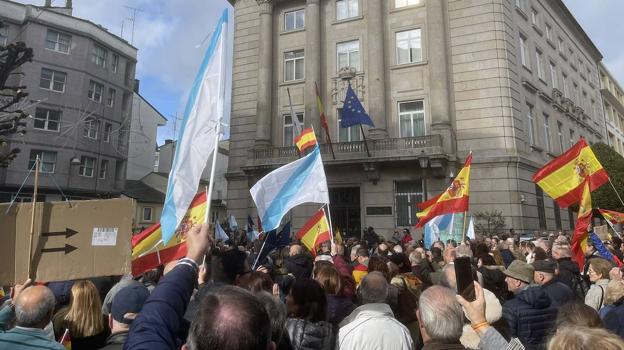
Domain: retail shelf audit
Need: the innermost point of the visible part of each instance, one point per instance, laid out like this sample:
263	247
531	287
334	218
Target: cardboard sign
602	232
89	239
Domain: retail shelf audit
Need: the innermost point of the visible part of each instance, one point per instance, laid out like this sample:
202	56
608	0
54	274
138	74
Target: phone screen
464	277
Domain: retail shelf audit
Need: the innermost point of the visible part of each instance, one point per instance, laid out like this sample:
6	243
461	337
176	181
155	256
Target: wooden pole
32	218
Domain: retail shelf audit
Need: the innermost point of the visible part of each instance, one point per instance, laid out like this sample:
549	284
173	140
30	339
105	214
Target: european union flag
353	112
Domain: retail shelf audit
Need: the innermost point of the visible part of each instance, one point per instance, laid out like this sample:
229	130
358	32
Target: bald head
34	307
448	277
374	288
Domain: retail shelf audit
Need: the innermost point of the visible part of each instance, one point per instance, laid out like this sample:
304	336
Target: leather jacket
306	335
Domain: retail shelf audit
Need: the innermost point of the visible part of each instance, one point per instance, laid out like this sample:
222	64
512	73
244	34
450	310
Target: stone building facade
513	81
613	108
80	84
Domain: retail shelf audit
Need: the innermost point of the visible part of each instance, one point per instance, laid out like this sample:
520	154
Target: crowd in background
363	293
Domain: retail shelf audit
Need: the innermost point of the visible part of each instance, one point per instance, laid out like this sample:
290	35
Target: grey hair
563	250
38	314
463	250
374	288
448	278
277	313
415	258
440	314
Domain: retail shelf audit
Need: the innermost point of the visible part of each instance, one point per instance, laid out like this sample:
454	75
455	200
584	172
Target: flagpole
32	218
616	192
331	227
253	267
365	143
464	226
212	171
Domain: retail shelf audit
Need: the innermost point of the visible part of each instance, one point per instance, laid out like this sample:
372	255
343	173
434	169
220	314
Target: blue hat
128	300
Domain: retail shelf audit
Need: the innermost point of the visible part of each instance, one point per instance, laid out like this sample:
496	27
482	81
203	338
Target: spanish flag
148	250
453	200
306	139
314	232
613	217
580	236
563	177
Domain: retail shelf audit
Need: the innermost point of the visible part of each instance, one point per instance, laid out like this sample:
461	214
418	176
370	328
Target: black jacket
338	307
306	335
614	321
570	275
558	293
116	341
299	265
530	316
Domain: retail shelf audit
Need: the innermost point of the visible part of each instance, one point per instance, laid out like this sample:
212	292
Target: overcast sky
167	33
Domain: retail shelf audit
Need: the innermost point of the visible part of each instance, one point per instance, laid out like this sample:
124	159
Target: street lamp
423	161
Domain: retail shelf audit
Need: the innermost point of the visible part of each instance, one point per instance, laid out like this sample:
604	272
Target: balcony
382	150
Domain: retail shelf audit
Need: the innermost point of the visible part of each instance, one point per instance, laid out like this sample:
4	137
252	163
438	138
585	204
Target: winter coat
373	326
299	265
570	275
596	294
558	293
338	307
530	316
306	335
494	281
614	321
346	276
493	312
508	256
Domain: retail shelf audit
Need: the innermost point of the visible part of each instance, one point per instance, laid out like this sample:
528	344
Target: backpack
579	287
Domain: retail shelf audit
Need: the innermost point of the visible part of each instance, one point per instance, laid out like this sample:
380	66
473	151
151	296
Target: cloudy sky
168	32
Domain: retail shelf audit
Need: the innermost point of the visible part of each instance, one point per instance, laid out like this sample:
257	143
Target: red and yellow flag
314	232
613	217
319	104
453	200
148	250
580	236
563	177
306	139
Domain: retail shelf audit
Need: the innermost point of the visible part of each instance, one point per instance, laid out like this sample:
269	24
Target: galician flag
302	181
197	138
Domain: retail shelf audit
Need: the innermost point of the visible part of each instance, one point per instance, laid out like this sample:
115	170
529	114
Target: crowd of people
364	293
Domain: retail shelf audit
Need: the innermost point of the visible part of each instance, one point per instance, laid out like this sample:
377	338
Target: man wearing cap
544	275
530	314
126	305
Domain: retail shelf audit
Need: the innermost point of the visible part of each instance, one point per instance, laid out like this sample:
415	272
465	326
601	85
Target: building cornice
565	13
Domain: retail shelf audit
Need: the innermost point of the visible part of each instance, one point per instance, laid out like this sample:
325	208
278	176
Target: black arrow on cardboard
67	233
67	249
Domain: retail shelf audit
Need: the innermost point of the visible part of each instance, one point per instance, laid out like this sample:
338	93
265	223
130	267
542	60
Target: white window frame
524	52
414	45
548	32
4	35
108	130
531	126
294	61
572	137
91	128
289	128
115	63
110	100
295	18
405	3
350	131
99	55
46	159
352	8
553	75
103	170
58	40
413	116
560	136
85	170
348	48
566	88
534	17
151	214
547	132
93	94
54	74
539	58
46	120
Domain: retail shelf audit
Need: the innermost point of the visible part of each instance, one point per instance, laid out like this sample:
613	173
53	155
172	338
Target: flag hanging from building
314	232
149	251
197	137
580	236
319	105
563	178
302	181
353	112
454	200
305	140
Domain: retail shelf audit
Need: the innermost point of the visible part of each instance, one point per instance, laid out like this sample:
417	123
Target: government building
516	82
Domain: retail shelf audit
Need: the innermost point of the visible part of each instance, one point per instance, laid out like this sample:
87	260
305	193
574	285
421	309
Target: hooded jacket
530	316
306	335
299	265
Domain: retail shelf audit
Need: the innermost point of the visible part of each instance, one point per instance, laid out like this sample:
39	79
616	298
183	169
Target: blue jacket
558	292
161	318
27	339
614	321
530	316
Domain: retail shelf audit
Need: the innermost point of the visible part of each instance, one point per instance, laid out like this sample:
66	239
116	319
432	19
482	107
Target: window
557	212
52	80
103	169
534	17
111	97
553	76
289	129
541	211
403	3
539	63
576	92
566	90
524	51
87	165
572	138
47	119
406	195
90	128
547	133
294	20
95	91
346	8
348	54
560	136
571	219
548	32
115	63
293	65
99	55
409	46
4	35
57	41
530	126
412	119
108	128
520	4
147	213
350	134
560	44
47	160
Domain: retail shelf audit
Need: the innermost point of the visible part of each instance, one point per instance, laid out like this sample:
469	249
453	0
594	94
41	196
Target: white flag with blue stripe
220	234
197	137
435	227
302	181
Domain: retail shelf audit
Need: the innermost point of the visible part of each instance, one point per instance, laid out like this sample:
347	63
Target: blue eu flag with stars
353	112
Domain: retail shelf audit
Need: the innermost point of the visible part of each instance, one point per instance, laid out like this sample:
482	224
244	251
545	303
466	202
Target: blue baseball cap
128	300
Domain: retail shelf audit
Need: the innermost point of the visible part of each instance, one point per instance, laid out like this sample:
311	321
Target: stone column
439	100
376	74
265	75
312	64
